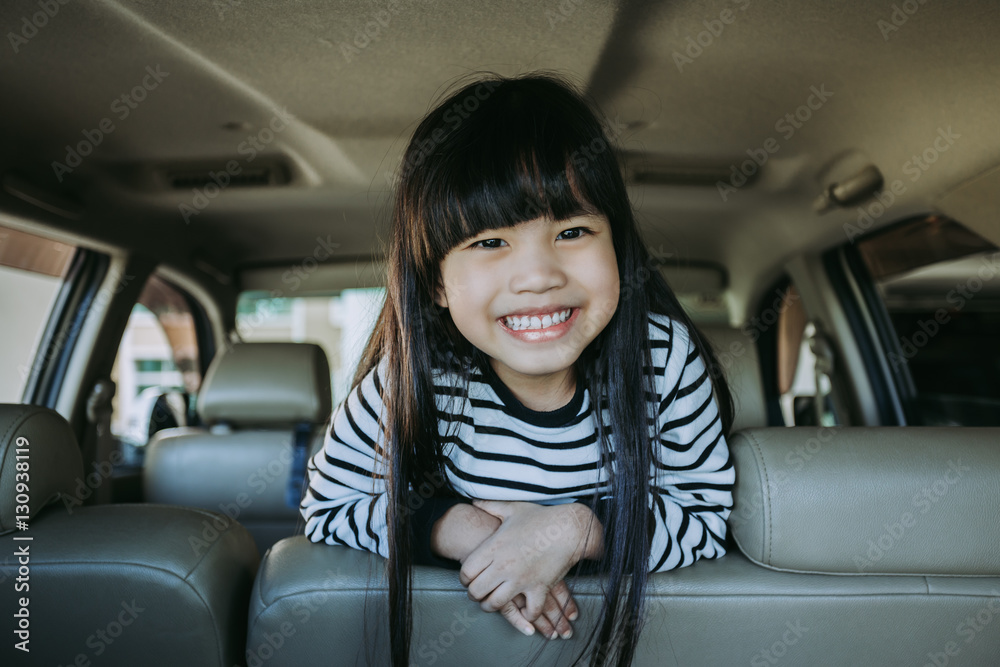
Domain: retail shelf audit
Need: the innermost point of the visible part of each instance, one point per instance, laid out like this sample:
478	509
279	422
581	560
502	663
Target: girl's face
533	296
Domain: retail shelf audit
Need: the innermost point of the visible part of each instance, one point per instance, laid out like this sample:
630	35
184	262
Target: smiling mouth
537	322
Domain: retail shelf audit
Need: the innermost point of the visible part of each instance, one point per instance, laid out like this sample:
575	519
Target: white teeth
534	322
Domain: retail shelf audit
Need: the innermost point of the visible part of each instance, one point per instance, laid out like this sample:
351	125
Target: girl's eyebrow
581	214
584	209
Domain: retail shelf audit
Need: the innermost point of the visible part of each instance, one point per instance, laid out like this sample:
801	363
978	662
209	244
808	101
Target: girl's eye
574	233
489	243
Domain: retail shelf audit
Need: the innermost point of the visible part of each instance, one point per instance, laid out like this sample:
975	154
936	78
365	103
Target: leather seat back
729	611
254	397
112	584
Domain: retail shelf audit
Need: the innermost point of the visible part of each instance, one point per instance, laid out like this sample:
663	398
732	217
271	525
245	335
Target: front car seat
126	585
264	406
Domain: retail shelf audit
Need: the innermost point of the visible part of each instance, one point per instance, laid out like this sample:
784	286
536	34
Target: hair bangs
510	161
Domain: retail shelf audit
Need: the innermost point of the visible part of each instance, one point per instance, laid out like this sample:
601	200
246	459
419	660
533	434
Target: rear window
32	270
339	323
939	283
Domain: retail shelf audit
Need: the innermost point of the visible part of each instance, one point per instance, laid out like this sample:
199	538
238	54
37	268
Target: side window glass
157	369
938	282
32	270
805	365
341	324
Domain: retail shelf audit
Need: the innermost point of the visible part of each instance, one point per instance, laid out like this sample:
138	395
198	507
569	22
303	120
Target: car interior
195	203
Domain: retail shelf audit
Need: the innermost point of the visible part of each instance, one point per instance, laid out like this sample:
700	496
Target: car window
937	282
340	324
32	269
156	371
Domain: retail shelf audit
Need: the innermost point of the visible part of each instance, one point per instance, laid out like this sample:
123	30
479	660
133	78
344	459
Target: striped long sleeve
346	500
693	472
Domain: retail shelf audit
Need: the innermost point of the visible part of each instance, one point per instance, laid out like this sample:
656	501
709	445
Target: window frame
854	288
66	320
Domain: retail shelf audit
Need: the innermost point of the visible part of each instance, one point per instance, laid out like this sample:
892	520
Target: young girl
533	400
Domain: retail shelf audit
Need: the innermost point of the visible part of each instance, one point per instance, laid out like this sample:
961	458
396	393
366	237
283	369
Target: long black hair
496	153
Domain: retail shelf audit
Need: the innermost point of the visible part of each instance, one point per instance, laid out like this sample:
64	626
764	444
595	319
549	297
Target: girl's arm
462	530
693	478
346	500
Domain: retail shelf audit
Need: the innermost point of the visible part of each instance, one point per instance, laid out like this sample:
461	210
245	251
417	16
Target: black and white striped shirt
498	449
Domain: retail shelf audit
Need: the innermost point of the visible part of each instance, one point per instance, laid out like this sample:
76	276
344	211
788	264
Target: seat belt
98	443
300	453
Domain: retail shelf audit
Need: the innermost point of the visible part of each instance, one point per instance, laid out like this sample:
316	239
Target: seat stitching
767	497
220	643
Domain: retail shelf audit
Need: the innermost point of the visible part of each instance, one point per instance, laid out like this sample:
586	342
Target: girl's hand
560	608
531	551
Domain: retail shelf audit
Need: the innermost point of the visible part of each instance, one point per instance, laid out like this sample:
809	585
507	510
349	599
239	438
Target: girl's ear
439	296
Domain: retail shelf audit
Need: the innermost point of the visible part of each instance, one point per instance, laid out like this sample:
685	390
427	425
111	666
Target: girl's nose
537	270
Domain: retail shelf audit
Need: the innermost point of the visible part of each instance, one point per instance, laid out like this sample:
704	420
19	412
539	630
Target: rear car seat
110	584
254	400
841	565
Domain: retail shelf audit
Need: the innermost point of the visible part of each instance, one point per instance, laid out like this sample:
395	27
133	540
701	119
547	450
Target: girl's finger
513	615
553	613
565	599
498	599
542	623
473	567
535	602
481	591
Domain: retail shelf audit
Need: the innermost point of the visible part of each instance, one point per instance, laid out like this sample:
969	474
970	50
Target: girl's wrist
590	531
460	530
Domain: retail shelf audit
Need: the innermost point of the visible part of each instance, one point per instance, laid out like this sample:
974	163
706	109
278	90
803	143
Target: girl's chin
542	367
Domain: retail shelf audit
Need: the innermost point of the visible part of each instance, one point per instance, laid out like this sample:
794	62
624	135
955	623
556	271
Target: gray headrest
36	441
888	500
737	356
255	384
